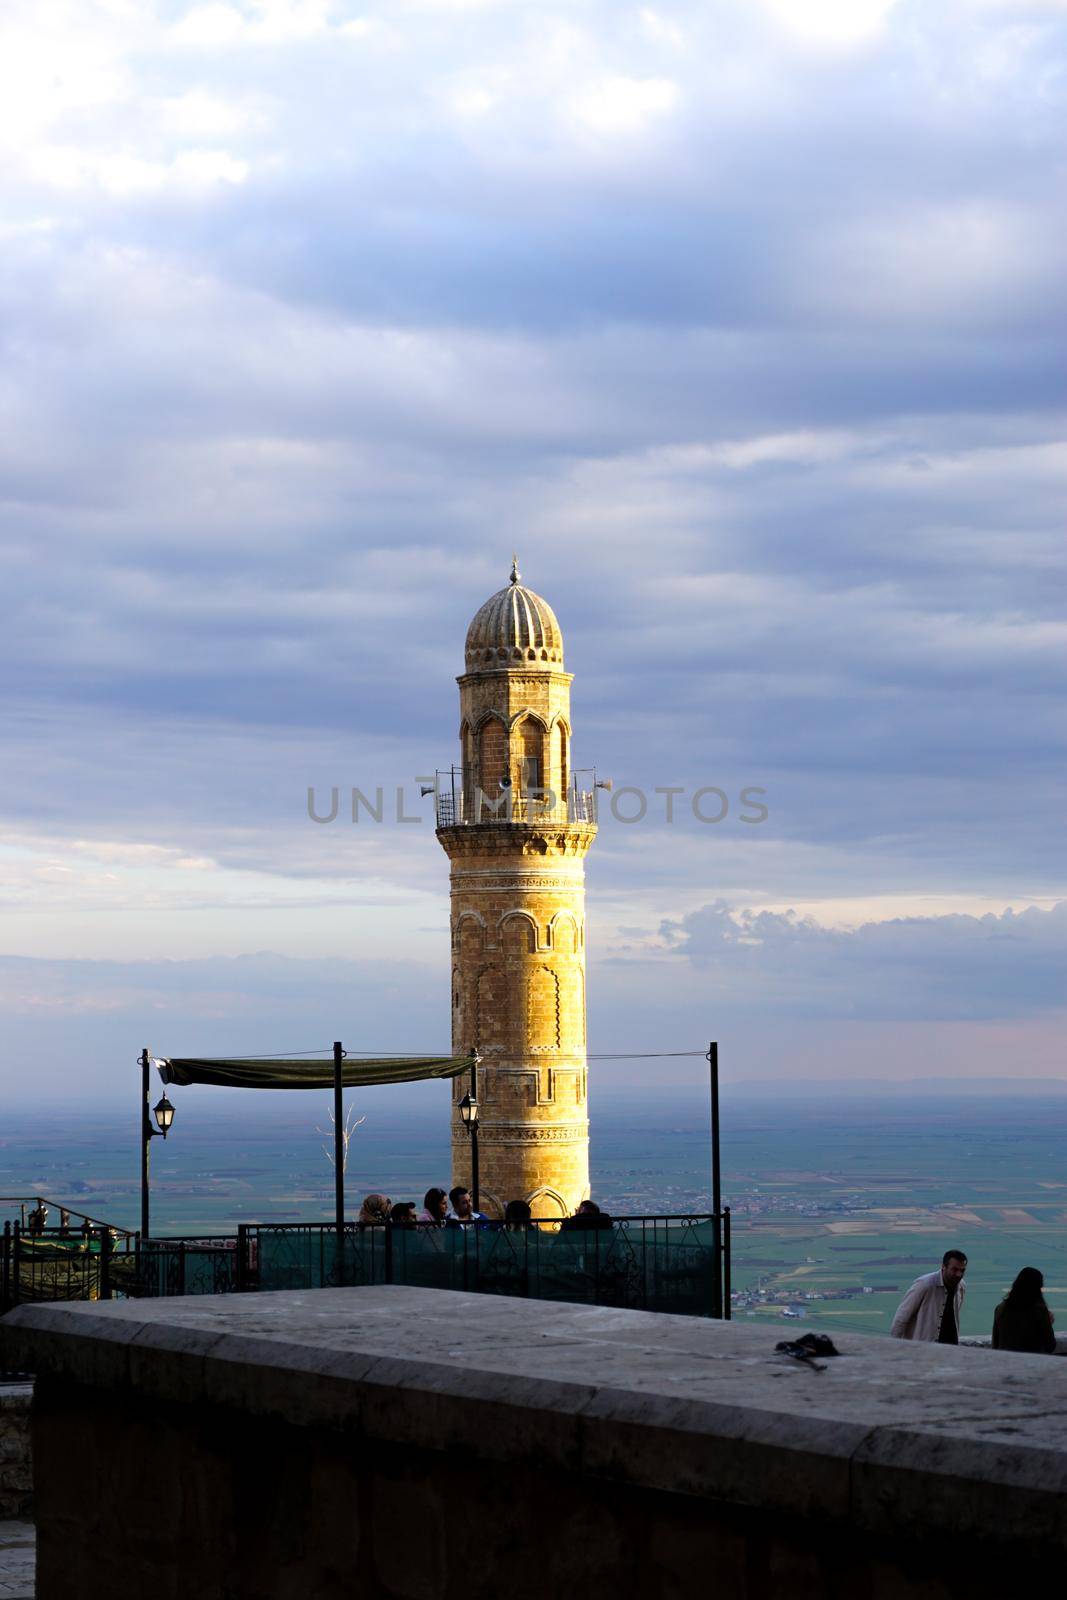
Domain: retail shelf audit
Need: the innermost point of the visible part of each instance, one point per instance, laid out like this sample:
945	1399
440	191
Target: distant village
794	1302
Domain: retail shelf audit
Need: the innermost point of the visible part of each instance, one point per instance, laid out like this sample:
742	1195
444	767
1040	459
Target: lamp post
468	1110
716	1181
163	1112
338	1141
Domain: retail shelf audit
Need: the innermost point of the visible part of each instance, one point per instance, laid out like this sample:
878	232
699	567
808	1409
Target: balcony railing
679	1264
653	1263
460	802
93	1262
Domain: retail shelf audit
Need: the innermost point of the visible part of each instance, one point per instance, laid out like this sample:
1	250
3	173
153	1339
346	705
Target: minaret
516	822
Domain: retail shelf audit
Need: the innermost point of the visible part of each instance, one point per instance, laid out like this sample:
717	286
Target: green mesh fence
649	1263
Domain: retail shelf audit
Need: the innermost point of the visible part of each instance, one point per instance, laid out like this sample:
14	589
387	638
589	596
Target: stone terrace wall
16	1476
415	1445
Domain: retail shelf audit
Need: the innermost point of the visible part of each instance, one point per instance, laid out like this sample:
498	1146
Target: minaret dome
514	628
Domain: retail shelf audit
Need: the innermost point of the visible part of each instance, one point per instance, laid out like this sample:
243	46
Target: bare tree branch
346	1134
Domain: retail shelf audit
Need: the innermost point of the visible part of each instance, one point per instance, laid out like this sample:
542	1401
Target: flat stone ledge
17	1560
937	1440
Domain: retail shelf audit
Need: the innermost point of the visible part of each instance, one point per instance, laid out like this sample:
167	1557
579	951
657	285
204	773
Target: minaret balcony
460	802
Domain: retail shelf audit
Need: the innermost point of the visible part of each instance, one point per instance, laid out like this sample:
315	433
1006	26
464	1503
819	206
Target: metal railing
679	1264
44	1264
33	1212
460	802
190	1265
653	1263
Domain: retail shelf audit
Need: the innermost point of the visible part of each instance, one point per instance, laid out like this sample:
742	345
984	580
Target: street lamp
163	1112
468	1112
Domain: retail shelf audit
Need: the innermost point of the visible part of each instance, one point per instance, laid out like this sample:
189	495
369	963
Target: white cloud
473	102
623	105
943	967
53	66
278	21
123	174
807	447
661	28
208	27
261	22
831	22
1036	7
949	260
198	114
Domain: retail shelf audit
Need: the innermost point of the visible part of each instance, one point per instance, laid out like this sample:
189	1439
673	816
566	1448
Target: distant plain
832	1195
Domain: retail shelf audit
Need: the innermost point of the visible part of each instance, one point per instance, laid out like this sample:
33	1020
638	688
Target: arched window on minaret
492	757
560	758
466	757
528	746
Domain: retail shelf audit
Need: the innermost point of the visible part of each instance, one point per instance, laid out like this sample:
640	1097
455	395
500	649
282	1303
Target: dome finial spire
515	578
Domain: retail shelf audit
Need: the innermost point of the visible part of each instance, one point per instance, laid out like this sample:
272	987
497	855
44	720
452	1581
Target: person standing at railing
1023	1321
462	1207
375	1209
403	1214
588	1215
435	1207
930	1311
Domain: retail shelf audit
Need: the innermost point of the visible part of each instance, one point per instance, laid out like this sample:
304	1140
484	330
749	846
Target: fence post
5	1269
726	1263
389	1252
596	1268
716	1179
241	1275
105	1263
181	1266
16	1264
338	1144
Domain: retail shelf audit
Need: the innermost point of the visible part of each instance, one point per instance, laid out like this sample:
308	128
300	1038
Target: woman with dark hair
435	1207
1022	1321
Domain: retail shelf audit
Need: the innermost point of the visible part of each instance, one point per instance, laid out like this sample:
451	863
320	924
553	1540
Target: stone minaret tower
516	822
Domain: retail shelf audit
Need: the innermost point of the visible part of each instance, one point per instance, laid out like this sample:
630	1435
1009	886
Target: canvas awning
268	1073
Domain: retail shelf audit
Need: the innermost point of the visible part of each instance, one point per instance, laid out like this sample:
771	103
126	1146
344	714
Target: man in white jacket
931	1308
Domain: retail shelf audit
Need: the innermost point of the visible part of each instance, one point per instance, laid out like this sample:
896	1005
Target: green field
826	1196
885	1256
832	1197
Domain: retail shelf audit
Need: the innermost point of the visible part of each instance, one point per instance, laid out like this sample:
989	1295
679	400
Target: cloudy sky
743	323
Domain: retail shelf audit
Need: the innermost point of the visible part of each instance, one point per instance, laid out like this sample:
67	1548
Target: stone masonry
516	834
414	1444
16	1476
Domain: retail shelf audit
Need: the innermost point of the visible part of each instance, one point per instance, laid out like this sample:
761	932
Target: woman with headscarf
375	1209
